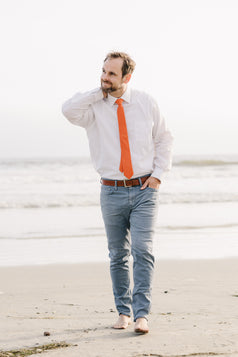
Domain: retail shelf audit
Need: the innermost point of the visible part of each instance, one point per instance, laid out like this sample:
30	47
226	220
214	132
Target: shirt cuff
98	94
157	173
87	98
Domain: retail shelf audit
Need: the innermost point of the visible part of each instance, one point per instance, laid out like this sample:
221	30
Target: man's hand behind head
105	94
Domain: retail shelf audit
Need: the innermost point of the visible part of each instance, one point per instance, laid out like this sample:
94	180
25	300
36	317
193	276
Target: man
130	148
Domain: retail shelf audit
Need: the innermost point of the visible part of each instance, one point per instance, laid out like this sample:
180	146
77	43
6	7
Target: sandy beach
194	310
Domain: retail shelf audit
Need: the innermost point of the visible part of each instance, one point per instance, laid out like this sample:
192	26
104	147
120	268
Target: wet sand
194	312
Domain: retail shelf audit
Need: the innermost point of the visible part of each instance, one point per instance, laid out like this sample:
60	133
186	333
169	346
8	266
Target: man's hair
128	65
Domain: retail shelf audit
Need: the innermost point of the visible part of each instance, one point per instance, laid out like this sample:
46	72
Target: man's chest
139	121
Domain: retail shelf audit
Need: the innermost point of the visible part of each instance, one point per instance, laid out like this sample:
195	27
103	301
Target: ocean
50	212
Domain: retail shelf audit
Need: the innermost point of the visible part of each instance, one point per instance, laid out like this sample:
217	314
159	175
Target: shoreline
193	309
106	262
67	235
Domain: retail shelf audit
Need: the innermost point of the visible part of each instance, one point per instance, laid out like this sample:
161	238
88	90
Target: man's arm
78	109
163	141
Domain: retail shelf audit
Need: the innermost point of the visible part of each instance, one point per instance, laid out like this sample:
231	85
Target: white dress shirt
150	141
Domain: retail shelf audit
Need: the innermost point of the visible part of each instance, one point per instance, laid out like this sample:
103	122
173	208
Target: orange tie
125	164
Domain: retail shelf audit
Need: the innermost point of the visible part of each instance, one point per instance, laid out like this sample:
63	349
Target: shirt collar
126	96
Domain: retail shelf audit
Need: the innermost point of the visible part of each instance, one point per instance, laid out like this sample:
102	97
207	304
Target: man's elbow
65	110
68	113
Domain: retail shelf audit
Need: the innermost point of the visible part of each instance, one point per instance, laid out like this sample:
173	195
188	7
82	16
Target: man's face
111	78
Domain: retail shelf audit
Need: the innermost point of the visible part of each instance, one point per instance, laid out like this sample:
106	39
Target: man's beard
109	89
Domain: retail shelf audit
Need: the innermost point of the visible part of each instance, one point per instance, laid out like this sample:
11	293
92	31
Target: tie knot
119	101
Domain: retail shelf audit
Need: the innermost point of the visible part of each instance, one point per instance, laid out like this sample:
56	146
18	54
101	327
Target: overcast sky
186	53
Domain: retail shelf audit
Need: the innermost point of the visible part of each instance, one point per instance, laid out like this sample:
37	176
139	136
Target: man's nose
104	76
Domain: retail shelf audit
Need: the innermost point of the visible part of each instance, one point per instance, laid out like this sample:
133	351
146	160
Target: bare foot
141	325
123	322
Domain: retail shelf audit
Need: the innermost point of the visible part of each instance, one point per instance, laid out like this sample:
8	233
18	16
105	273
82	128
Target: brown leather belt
125	183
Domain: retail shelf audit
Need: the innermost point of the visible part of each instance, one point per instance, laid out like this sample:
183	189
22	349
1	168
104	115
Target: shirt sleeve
78	109
163	141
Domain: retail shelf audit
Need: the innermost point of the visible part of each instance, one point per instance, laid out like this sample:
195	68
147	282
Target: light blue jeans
129	215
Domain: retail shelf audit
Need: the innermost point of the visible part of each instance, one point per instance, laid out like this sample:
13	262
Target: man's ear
127	78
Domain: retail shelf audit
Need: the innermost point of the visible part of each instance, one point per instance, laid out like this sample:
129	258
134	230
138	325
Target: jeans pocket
107	190
153	189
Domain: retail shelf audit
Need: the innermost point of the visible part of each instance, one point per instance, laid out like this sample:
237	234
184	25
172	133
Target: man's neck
119	92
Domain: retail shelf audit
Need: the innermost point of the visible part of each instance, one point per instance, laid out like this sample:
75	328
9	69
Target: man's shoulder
143	95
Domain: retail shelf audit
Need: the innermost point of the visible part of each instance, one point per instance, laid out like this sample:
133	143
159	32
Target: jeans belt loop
140	181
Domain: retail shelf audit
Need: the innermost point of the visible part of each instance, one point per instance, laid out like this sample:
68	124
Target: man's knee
120	255
142	253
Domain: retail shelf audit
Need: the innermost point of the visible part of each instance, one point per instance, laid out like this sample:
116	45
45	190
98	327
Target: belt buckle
125	185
